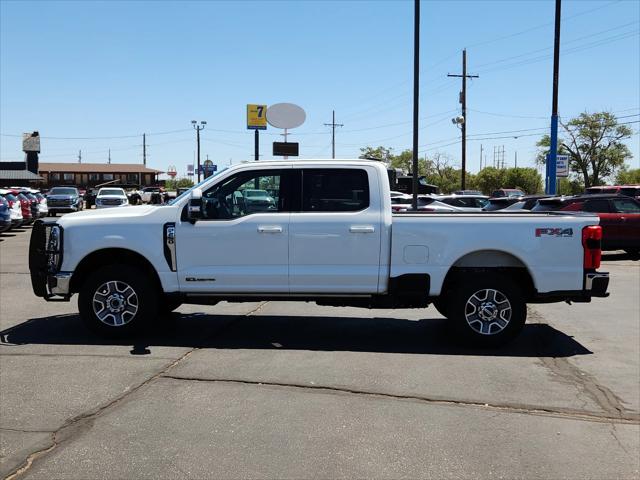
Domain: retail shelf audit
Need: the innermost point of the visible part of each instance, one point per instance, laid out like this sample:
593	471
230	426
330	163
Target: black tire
122	313
634	252
487	309
441	306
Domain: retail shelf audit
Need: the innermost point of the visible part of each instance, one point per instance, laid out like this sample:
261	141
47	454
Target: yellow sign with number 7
257	117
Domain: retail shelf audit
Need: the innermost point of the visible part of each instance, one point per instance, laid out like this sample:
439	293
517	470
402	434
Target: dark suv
64	199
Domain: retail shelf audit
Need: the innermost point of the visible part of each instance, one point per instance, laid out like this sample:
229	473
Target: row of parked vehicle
21	206
618	208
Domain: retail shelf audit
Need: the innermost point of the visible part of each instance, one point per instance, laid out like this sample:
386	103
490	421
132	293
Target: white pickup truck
328	236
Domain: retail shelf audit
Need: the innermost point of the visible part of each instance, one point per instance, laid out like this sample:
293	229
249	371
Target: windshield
63	191
111	191
186	194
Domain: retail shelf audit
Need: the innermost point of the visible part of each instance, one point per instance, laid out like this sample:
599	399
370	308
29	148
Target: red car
628	190
25	204
619	217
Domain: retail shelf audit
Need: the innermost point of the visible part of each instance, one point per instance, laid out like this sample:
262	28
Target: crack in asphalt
84	422
567	413
587	384
22	430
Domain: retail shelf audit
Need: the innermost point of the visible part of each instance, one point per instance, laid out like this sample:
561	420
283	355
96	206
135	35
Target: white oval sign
285	115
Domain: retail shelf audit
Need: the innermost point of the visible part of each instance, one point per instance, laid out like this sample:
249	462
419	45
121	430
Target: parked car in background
111	197
499	203
630	191
507	192
525	203
619	217
258	200
147	194
15	208
469	192
43	206
610	189
64	199
426	203
468	202
25	205
5	215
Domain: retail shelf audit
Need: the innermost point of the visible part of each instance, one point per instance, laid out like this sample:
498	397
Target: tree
594	145
526	179
628	176
441	172
490	179
175	183
380	153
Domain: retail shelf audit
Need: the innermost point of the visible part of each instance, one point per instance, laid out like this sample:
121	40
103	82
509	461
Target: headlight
53	248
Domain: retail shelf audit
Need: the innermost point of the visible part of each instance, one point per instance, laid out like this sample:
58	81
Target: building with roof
91	174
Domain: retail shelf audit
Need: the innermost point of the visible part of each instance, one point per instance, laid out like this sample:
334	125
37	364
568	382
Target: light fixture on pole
197	129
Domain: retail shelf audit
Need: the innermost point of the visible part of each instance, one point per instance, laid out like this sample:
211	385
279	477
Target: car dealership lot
293	390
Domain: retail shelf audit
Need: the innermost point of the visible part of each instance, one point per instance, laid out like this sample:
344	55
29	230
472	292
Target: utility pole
480	157
109	159
333	126
463	101
79	156
416	96
516	162
550	186
197	128
144	149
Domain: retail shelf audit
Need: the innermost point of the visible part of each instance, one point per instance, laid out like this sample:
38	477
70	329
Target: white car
15	209
332	239
111	197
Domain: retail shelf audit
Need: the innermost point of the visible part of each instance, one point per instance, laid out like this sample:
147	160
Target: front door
241	244
334	240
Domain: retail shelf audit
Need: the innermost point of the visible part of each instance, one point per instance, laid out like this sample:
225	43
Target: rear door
334	239
628	211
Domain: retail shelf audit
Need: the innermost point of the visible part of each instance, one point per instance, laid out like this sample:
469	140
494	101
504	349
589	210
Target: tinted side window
626	206
598	206
334	190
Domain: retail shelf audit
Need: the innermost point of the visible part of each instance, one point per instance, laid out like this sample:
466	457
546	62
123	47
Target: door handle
269	229
362	229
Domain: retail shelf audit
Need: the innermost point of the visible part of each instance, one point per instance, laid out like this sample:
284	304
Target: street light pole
197	129
416	91
550	187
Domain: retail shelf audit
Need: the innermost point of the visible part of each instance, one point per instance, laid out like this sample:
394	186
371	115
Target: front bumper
65	208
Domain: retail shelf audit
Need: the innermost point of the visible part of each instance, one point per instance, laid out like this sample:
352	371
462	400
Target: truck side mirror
194	210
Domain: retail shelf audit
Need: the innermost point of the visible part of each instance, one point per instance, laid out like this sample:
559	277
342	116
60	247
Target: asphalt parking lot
293	390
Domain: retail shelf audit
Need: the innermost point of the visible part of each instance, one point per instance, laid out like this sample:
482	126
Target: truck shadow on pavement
323	333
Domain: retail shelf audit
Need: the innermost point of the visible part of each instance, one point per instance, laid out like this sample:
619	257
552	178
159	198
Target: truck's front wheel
117	300
487	309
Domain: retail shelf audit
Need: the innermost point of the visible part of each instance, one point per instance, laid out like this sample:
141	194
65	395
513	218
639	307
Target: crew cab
331	238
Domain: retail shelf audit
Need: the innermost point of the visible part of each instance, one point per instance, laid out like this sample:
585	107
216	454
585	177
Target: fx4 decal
554	232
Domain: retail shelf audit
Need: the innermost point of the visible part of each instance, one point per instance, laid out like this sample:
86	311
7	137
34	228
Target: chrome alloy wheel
115	303
488	311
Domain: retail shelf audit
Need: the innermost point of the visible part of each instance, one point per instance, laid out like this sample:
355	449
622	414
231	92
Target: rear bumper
595	285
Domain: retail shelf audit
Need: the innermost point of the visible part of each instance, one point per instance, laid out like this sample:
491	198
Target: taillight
592	244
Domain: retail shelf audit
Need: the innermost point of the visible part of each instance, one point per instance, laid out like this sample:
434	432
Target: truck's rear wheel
118	300
487	310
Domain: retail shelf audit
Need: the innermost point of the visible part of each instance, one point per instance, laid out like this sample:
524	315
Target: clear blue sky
118	69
